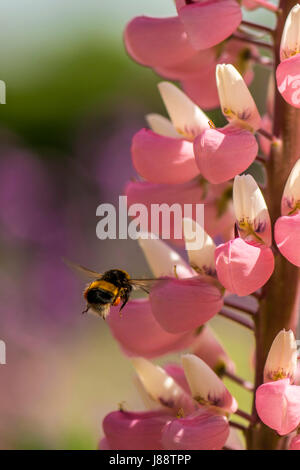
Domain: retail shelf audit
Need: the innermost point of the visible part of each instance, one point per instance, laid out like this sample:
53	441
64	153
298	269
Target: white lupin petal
160	386
203	382
282	358
292	187
290	39
199	245
162	259
162	126
235	98
249	204
188	119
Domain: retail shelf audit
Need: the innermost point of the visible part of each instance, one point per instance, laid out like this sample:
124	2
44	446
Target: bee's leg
86	310
125	298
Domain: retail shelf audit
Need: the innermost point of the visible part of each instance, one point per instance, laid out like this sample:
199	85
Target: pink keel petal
295	443
222	154
139	334
183	304
243	268
135	431
278	405
157	42
288	80
201	430
197	64
161	159
287	237
210	22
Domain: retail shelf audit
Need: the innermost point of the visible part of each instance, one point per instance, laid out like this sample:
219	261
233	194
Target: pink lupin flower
201	430
206	387
208	22
287	73
182	304
140	430
165	153
287	227
139	334
245	264
278	401
295	443
218	151
157	42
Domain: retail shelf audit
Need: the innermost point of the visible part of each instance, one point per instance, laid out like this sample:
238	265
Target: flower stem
256	42
244	415
238	426
266	134
236	304
247	323
235	378
258	26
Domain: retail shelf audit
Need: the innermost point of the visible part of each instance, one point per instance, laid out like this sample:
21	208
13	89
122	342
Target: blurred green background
74	96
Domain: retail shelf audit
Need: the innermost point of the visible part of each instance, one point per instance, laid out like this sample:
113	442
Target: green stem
278	306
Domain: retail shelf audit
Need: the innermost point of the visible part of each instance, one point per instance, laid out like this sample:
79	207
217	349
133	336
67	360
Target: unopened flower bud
281	362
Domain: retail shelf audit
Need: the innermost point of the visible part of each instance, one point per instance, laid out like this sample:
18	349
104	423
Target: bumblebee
109	289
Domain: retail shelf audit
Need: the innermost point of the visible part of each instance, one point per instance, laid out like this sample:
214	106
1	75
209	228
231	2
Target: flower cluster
184	159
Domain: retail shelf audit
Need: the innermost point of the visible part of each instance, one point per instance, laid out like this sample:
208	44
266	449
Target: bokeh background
74	99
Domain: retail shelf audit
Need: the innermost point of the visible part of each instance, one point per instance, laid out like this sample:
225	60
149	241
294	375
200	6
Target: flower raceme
287	227
287	73
246	263
278	400
175	419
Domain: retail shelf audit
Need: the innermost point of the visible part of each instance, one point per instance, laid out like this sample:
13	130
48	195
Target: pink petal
161	159
295	443
157	42
183	304
201	430
278	405
287	237
223	153
202	89
210	350
177	373
103	444
139	334
288	80
242	268
197	64
135	430
149	193
210	22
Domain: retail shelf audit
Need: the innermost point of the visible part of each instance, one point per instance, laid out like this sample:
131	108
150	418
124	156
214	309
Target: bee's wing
87	273
143	284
